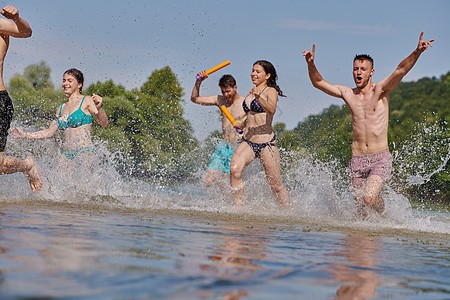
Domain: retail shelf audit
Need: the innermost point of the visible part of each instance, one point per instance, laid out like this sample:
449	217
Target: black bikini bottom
257	147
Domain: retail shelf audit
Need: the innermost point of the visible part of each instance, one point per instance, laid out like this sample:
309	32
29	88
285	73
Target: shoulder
346	91
89	105
59	109
271	92
381	85
221	100
345	88
60	106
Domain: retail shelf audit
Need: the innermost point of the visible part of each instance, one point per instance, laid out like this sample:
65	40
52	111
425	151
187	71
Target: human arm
18	133
267	99
19	29
100	117
195	95
315	77
389	83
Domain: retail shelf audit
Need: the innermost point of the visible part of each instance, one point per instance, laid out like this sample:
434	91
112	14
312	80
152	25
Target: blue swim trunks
221	158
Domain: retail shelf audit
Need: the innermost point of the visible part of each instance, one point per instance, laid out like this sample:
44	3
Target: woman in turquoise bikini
75	118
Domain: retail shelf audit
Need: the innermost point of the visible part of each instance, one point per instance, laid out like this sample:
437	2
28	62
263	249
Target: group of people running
369	167
371	162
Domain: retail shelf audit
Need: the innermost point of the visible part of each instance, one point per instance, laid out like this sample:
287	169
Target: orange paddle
230	117
216	68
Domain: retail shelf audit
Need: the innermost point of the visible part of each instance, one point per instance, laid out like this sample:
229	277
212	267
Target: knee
370	199
208	181
8	162
236	171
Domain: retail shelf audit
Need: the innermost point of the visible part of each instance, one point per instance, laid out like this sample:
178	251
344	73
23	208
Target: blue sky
127	40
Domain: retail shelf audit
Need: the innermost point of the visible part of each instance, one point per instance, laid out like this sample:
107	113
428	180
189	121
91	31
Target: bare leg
212	176
9	165
242	157
270	158
372	191
358	185
367	194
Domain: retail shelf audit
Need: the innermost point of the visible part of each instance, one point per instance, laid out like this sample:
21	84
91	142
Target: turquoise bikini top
76	119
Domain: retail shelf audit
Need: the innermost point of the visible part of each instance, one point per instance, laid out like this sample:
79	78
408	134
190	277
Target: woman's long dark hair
270	69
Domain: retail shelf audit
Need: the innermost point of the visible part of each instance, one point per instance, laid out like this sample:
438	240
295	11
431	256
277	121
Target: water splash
425	154
319	194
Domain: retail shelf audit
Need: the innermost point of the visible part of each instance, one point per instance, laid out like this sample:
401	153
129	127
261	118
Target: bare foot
238	203
361	210
33	175
238	195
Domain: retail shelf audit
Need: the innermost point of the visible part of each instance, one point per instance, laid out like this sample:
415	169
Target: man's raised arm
315	77
389	83
195	95
19	29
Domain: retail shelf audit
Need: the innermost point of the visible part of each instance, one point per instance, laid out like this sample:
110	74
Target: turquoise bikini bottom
72	153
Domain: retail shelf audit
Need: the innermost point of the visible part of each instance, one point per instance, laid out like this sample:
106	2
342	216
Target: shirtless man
219	166
18	28
368	102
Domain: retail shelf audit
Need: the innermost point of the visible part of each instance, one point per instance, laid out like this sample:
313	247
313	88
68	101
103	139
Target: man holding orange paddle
219	166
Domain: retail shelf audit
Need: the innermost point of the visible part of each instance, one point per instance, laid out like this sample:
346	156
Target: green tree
106	89
38	75
155	137
34	97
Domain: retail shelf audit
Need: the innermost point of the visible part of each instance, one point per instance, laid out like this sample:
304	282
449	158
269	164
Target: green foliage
38	75
35	99
327	135
155	137
163	84
146	125
106	89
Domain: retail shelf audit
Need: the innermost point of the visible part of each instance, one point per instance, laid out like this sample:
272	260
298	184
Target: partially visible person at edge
219	167
259	139
75	118
18	28
371	162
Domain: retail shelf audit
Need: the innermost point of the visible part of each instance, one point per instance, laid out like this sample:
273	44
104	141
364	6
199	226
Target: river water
105	237
95	234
